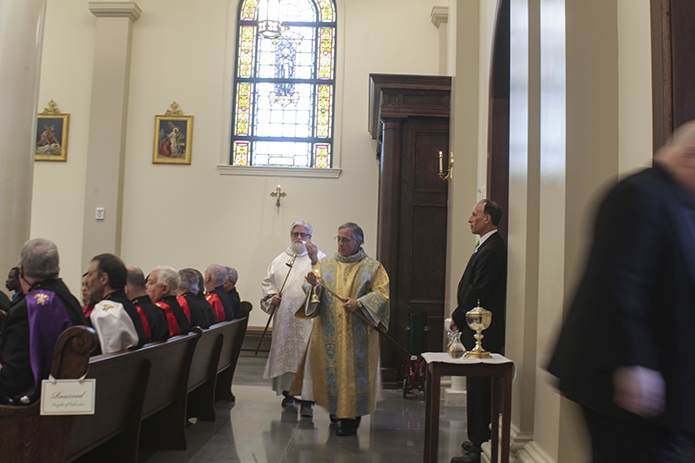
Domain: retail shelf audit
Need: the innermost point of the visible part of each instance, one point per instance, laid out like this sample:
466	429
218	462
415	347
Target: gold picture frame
172	137
51	142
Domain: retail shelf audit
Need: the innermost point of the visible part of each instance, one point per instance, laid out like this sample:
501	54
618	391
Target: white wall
635	68
191	215
66	78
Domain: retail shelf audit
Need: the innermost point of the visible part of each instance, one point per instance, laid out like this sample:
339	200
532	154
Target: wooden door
409	117
423	226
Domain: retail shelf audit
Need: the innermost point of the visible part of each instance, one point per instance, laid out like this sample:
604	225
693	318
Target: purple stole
48	318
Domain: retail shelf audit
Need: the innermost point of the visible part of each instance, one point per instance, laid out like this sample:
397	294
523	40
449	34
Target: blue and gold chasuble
344	348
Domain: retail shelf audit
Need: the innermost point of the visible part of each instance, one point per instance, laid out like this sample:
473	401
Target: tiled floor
255	429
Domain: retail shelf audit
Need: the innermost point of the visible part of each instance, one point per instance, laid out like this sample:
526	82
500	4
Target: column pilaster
107	126
21	39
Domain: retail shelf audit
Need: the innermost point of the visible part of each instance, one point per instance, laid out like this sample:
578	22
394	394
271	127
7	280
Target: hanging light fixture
269	19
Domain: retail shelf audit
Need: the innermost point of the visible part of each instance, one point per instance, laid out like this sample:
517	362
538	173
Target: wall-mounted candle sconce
278	193
449	168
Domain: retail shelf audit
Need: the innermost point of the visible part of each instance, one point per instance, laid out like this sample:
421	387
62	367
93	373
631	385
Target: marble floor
256	429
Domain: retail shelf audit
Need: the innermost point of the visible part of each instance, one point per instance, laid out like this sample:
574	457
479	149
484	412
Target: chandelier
269	19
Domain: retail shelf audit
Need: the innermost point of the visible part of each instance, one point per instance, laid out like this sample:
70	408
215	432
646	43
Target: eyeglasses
300	235
343	240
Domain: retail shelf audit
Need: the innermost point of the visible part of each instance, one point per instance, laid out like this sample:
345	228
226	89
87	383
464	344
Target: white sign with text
68	396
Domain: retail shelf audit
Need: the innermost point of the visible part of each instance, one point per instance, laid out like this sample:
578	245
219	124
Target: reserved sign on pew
67	396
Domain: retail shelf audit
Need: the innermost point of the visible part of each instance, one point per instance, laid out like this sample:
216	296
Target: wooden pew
25	435
203	375
113	432
229	356
164	411
140	401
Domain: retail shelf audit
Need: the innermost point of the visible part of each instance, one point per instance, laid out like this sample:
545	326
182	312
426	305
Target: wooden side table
499	368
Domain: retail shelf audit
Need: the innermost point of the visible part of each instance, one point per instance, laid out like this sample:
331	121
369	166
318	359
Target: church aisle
255	429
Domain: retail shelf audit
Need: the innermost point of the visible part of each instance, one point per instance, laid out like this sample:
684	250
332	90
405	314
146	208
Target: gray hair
40	260
189	280
302	223
355	229
232	274
217	273
167	276
201	280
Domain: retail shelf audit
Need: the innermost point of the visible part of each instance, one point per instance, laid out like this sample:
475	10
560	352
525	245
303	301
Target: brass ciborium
478	319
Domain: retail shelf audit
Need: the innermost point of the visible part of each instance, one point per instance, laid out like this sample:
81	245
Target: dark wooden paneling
498	124
409	115
673	61
683	60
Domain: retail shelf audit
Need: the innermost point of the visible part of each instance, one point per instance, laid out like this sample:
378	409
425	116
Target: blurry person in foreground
626	352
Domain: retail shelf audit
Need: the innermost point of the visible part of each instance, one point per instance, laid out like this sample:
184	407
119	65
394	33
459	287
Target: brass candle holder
478	319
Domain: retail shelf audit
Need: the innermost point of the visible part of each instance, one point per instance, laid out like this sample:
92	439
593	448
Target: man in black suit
114	317
484	281
626	352
215	276
32	326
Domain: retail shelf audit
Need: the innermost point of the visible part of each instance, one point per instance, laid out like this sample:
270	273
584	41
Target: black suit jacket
635	304
484	280
156	318
226	303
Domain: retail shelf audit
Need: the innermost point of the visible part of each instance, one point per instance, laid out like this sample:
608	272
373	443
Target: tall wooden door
423	226
409	116
673	66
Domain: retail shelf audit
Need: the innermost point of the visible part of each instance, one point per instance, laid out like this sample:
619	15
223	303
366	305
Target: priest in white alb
283	294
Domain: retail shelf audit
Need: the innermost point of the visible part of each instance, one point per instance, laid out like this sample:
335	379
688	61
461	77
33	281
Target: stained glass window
284	87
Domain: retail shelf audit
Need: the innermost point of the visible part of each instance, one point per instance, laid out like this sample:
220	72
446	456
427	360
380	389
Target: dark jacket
635	304
484	280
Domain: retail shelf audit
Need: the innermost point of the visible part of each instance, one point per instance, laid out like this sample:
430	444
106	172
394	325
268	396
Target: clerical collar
356	257
484	238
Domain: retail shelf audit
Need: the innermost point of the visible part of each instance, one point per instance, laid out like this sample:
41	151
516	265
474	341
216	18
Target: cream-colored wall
192	215
66	78
634	61
585	83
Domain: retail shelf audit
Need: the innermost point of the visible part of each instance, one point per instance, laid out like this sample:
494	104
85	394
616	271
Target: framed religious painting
51	142
172	137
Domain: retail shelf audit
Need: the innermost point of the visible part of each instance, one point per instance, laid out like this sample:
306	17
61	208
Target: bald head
135	283
678	156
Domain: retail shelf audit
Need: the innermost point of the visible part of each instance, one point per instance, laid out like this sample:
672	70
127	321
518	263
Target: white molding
115	10
518	439
308	172
533	453
439	15
517	442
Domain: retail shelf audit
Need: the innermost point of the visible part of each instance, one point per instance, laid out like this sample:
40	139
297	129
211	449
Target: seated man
114	317
87	305
230	288
12	284
154	320
34	324
162	284
201	285
215	276
202	313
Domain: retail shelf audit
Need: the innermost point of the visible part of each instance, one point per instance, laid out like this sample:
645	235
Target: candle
440	163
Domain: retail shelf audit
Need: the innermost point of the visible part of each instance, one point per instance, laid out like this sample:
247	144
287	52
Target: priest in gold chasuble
348	295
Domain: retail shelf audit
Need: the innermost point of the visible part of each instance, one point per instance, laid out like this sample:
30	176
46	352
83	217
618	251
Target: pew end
23	430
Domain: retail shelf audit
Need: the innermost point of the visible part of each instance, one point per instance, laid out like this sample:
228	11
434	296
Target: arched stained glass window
284	87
